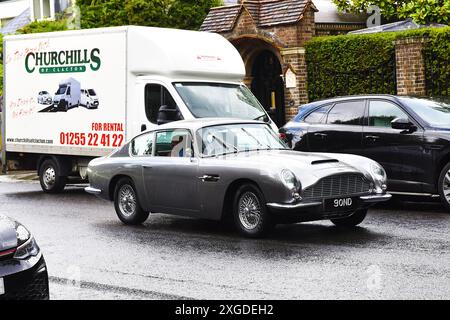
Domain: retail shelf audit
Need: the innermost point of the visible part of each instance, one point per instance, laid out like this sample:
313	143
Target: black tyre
50	177
250	212
127	204
352	221
444	186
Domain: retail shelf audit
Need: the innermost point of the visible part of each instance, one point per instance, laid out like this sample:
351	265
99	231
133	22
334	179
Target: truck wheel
126	203
352	221
250	212
444	186
50	177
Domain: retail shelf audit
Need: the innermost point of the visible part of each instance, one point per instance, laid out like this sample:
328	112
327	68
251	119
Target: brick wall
410	67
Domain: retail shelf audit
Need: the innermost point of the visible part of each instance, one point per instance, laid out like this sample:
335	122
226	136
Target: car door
399	152
341	130
171	178
310	137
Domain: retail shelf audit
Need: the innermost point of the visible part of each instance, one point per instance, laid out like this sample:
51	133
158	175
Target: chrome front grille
337	186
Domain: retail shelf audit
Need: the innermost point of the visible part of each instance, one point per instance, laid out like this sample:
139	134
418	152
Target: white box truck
143	77
68	94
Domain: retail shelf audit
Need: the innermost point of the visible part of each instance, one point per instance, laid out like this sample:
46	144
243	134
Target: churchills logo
68	61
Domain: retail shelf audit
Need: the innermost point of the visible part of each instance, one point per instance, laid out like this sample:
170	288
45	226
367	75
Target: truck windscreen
220	100
61	90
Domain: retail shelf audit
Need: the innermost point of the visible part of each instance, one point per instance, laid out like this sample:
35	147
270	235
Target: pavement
401	251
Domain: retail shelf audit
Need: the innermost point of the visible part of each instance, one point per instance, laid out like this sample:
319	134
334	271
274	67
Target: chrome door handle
373	138
209	178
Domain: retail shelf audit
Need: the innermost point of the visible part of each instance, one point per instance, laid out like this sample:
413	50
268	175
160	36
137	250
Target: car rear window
318	115
347	113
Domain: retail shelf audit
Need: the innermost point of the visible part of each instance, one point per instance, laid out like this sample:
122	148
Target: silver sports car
220	168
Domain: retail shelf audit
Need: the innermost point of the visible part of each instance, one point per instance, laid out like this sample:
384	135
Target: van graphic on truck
68	95
89	99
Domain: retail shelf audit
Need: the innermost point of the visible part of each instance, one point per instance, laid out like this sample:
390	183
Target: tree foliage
421	11
44	26
183	14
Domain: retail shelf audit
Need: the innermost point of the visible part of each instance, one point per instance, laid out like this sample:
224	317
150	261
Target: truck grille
337	186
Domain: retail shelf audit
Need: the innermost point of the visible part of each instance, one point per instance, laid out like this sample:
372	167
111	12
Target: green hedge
437	62
364	64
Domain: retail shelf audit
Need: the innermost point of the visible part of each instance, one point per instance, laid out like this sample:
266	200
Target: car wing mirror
168	114
403	124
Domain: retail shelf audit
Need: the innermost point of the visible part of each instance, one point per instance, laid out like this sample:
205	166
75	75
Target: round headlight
22	234
378	173
289	179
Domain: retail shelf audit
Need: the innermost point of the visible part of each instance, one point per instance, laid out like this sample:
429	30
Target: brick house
270	36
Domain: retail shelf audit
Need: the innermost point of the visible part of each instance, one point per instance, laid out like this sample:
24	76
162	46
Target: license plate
340	204
2	286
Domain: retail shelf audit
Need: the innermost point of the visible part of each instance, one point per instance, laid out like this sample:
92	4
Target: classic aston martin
216	168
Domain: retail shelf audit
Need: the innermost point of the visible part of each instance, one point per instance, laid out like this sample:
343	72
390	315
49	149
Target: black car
409	137
23	272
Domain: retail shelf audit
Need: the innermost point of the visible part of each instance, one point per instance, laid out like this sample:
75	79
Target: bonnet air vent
324	161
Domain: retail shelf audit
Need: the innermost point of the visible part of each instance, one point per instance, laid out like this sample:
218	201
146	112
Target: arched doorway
267	84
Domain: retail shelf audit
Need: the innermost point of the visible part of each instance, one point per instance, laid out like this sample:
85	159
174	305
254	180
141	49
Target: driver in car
177	147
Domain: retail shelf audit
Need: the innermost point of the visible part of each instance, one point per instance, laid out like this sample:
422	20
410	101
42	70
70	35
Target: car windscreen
220	100
61	90
91	92
233	138
435	113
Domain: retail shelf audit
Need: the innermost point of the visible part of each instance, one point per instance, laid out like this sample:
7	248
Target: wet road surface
401	251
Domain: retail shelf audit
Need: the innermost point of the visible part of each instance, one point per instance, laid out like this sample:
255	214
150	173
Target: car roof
305	108
358	96
196	124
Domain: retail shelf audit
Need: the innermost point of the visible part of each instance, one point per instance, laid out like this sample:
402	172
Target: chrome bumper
364	199
376	198
293	206
93	190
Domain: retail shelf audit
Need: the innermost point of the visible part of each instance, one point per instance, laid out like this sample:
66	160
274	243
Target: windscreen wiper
223	143
254	138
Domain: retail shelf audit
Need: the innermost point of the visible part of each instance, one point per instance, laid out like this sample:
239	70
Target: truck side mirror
167	114
403	124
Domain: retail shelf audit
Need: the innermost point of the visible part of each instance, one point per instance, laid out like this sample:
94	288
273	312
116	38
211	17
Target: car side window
174	143
347	113
381	113
155	97
142	146
318	115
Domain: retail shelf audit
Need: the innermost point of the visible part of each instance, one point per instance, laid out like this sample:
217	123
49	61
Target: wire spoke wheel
127	200
249	210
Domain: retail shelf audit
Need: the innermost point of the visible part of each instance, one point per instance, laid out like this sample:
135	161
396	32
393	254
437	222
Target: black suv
409	137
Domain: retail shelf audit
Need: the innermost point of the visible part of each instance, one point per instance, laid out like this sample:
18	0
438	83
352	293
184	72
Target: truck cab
162	100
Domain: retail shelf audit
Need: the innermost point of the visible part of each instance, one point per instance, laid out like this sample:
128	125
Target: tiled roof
281	12
17	23
265	13
221	19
